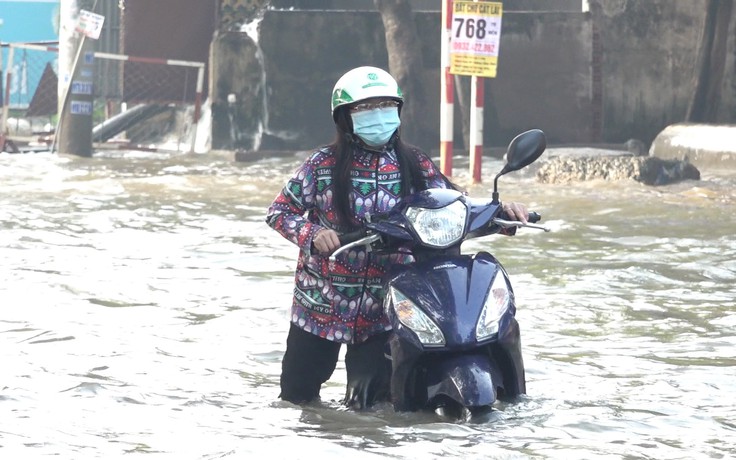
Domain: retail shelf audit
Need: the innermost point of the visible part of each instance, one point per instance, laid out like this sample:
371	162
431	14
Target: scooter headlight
496	305
439	227
415	319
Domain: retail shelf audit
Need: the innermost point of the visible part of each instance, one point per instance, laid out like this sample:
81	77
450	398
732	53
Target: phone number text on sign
476	32
475	47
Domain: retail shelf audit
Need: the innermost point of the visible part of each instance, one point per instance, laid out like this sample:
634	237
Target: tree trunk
406	64
703	107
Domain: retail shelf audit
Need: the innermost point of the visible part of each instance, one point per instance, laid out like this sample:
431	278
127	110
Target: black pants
310	360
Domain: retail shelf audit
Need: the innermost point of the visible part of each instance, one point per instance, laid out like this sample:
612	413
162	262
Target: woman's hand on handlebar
326	241
516	211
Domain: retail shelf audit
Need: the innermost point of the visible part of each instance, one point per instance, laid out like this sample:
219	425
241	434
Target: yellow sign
476	33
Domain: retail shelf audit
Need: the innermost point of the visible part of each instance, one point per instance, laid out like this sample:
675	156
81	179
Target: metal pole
476	127
74	127
6	98
447	91
197	106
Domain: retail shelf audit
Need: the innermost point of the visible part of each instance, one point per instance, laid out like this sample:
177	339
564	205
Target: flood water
144	310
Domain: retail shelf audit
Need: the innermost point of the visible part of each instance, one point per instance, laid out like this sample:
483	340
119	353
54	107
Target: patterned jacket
341	301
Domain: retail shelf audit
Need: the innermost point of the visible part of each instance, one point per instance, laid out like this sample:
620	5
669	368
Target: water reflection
145	306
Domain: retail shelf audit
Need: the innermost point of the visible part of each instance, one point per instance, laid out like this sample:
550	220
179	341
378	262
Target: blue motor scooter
455	347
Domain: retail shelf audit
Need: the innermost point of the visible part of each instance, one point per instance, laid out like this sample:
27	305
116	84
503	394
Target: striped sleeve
286	214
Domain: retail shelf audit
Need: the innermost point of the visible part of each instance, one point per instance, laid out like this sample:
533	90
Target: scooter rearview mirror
522	151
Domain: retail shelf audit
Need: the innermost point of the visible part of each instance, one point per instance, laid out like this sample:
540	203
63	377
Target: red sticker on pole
476	34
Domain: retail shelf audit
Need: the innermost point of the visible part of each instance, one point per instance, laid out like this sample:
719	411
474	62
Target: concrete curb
707	147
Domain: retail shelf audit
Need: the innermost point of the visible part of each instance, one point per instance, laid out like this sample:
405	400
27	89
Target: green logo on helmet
372	76
378	83
340	96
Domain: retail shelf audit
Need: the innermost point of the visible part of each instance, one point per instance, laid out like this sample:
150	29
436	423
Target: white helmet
364	83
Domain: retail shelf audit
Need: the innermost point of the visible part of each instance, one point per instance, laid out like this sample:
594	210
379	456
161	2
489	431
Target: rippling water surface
144	310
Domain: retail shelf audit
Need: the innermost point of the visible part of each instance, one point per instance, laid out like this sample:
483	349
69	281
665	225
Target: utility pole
76	80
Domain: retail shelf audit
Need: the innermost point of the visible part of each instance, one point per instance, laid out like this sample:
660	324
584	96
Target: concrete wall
427	5
544	77
728	109
624	70
649	55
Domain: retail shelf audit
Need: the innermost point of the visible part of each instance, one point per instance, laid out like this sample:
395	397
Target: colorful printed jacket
341	301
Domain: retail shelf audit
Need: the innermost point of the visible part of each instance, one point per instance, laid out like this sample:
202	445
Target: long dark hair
343	147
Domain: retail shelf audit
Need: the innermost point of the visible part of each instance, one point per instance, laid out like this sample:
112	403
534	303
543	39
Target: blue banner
24	21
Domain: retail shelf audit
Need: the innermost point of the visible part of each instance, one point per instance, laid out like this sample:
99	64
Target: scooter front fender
470	380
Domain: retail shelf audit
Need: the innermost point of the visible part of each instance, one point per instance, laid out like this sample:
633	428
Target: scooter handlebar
532	218
349	237
356	238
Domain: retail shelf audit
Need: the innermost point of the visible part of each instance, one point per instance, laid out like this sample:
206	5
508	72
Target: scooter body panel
468	379
452	290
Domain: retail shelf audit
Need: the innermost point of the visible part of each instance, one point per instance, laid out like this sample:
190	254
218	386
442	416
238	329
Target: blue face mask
375	127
